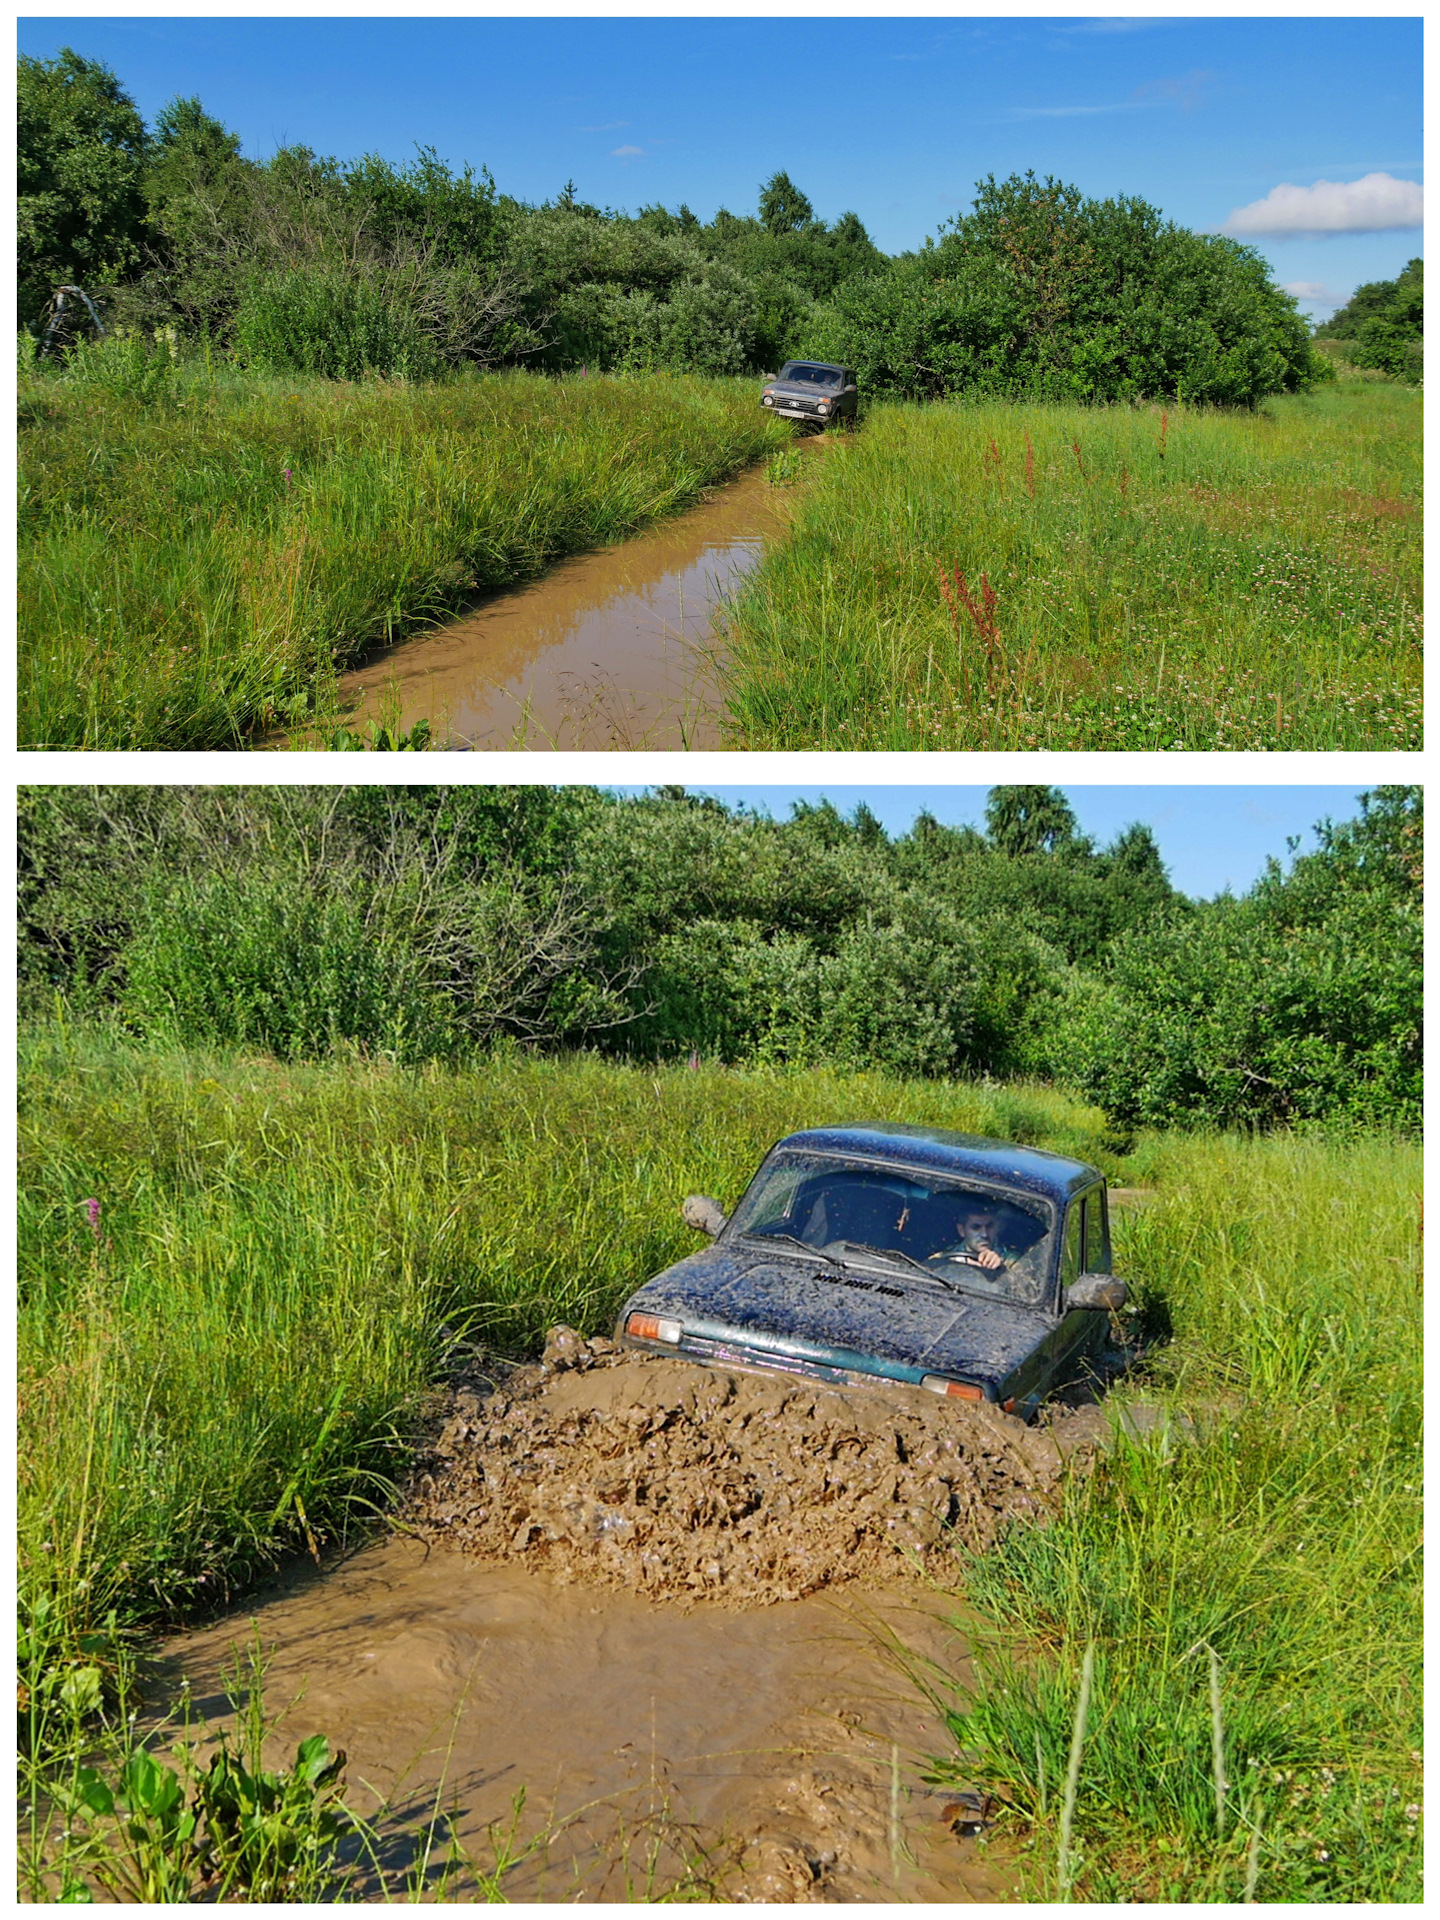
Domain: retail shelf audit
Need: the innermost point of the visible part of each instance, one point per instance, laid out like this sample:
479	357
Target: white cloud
625	153
1377	204
1067	113
1315	293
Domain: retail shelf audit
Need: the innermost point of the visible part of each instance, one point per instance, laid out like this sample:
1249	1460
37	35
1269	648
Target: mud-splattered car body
845	1261
813	391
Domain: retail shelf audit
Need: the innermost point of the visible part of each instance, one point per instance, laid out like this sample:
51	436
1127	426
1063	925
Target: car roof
826	366
937	1150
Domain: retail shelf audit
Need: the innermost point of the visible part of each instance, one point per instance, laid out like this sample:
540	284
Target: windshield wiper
790	1240
890	1253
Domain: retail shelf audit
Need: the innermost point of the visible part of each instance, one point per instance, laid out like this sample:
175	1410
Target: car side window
1070	1256
1097	1232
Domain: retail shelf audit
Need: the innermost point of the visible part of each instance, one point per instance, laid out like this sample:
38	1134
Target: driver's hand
989	1259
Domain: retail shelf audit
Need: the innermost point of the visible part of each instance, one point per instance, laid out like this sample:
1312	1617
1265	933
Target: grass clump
200	550
1245	1579
1023	576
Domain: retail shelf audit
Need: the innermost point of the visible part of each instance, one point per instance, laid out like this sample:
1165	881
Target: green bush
330	324
1040	293
261	962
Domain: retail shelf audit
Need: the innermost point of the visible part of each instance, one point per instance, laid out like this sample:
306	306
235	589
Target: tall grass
240	1280
199	551
226	1364
1249	1575
972	576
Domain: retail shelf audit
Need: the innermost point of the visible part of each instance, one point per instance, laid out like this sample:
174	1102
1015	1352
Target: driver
979	1227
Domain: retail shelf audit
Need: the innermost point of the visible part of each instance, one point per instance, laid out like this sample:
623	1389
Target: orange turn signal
647	1326
955	1389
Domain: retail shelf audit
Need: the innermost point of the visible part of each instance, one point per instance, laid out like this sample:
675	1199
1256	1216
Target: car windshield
797	370
968	1236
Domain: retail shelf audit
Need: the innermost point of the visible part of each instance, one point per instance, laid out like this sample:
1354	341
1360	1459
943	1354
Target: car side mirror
1096	1293
702	1214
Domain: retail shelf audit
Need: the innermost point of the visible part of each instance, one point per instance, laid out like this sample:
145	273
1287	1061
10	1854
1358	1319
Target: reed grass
197	561
1016	576
1247	1573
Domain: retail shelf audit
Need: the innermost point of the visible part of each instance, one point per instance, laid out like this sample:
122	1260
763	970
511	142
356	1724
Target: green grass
1284	1535
198	553
227	1368
1189	579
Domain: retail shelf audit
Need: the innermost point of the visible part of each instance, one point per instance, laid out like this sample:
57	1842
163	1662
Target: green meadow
240	1279
201	550
1016	575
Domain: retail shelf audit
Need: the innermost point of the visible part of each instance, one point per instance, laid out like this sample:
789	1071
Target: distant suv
812	390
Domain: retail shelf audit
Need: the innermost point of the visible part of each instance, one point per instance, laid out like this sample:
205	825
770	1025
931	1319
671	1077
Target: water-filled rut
606	650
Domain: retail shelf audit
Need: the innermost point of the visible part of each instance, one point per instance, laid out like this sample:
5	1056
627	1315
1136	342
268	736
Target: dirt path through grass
605	651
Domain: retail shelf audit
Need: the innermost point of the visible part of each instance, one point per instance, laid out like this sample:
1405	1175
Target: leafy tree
1026	820
783	208
80	154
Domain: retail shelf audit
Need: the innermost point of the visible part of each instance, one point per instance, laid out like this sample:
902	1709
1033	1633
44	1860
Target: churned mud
652	1473
706	1621
606	650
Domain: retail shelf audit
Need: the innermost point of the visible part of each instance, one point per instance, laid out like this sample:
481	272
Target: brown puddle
605	651
780	1744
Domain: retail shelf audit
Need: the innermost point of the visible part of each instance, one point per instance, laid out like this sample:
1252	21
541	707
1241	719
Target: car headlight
821	406
768	400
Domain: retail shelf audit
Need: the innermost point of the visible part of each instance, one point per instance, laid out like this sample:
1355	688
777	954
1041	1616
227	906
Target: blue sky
896	119
1210	838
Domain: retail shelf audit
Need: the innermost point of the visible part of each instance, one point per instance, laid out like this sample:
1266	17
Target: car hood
813	1309
804	389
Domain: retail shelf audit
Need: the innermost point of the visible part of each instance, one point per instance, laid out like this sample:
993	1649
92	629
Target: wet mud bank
607	650
636	1470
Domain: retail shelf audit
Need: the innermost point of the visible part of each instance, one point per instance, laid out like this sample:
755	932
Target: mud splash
605	651
641	1471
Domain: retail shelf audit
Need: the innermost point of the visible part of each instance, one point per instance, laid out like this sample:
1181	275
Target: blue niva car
896	1255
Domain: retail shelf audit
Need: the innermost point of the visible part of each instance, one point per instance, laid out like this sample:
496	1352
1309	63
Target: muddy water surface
607	650
782	1741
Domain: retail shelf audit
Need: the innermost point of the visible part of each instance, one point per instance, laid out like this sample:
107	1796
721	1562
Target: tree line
430	923
306	264
1382	324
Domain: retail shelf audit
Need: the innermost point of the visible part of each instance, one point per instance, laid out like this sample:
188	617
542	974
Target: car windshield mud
980	1239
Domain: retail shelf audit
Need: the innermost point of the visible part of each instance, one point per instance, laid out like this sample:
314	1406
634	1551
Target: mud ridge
692	1483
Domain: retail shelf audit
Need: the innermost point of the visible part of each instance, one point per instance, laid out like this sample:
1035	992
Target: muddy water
770	1738
606	651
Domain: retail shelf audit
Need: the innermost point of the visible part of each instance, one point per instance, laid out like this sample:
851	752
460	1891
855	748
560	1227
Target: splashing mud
689	1617
642	1471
